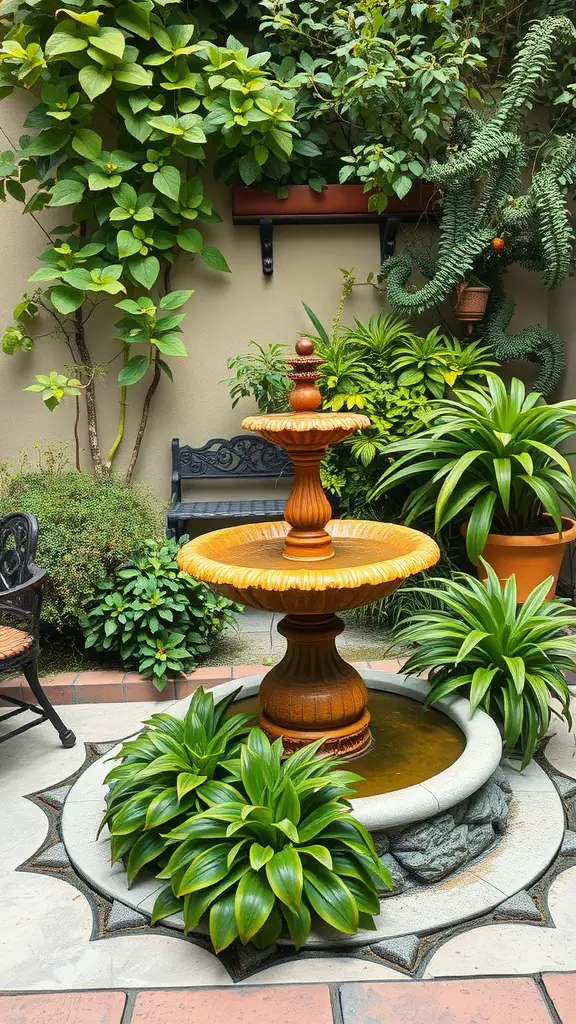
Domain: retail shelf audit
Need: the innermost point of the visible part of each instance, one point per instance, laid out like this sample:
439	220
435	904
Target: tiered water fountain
434	796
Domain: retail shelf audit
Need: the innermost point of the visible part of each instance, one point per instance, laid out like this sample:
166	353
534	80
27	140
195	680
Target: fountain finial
305	396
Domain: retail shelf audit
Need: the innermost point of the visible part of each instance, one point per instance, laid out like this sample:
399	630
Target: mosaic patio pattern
57	934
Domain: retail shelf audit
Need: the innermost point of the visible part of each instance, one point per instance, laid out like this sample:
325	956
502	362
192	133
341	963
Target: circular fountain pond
458	835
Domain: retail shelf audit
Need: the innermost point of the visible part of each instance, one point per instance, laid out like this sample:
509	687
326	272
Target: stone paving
543	1000
51	938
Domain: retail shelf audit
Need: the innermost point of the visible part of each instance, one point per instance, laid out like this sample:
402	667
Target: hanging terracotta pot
470	303
531	558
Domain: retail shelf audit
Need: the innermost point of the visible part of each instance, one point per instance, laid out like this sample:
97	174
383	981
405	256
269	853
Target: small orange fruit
498	244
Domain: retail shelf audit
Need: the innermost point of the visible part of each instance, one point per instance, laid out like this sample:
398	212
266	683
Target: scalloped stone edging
533	837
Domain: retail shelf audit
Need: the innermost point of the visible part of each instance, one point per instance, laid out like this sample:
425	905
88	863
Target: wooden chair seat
13	642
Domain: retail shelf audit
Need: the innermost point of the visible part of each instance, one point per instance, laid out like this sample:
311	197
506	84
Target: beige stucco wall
224	313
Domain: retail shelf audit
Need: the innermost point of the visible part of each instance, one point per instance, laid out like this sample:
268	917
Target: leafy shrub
87	528
165	773
275	844
260	374
158	619
509	659
490	456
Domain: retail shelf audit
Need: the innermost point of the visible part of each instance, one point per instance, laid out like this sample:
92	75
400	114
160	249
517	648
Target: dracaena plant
508	659
489	457
275	847
166	774
131	103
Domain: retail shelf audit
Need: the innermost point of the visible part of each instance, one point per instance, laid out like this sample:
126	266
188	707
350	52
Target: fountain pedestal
313	692
310	567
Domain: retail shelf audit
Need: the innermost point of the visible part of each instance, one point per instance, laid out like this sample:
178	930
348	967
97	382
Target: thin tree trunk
89	394
144	418
77	436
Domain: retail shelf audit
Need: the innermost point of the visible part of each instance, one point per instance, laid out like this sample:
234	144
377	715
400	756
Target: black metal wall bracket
387	226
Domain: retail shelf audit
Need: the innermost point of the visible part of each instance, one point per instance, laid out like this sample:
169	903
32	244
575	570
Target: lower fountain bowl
448	834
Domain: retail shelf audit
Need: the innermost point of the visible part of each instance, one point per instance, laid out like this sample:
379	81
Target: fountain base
313	693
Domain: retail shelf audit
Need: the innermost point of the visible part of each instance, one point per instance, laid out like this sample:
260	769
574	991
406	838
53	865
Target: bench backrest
247	456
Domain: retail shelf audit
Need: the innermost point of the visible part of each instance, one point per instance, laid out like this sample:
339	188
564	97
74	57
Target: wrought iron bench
243	457
21	584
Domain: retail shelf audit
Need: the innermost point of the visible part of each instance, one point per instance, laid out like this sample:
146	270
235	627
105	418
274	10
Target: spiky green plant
509	659
166	773
273	849
490	457
483	197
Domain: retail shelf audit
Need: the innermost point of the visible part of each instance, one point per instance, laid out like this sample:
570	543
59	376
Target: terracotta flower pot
470	303
333	201
531	558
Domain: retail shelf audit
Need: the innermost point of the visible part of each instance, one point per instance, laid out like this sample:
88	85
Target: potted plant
491	459
470	301
345	201
509	660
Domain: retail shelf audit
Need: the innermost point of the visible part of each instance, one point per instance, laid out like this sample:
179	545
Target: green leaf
134	370
135	17
47	142
165	905
170	345
145	270
187	781
63	42
253	902
331	899
285	876
173	300
190	239
133	74
110	40
66	299
260	855
208	867
94	80
223	927
66	192
213	258
298	924
164	806
87	144
145	849
167	181
127	244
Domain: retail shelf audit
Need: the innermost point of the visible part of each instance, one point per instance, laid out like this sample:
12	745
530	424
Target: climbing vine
130	106
490	220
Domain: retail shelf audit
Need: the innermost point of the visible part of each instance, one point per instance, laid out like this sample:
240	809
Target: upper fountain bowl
246	564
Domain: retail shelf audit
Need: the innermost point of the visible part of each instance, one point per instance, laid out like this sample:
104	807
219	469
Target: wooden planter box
335	201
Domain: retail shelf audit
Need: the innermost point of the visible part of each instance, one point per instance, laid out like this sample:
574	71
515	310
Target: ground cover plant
273	847
508	659
152	616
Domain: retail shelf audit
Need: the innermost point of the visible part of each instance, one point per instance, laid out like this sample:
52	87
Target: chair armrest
25	600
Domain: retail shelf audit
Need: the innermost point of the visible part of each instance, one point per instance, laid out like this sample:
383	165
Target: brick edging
112	687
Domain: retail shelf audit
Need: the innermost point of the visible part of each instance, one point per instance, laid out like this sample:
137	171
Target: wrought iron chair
21	583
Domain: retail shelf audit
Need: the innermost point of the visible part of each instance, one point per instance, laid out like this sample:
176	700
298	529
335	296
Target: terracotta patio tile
137	687
562	991
13	688
479	1001
98	688
238	671
362	664
214	674
59	688
63	1008
266	1004
390	665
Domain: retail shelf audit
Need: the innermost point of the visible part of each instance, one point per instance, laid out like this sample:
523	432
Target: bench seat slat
259	507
